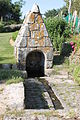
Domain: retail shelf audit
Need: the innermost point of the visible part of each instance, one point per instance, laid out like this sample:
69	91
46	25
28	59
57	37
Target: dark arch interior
35	64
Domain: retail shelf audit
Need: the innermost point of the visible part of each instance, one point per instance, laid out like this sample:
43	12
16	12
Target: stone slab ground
58	90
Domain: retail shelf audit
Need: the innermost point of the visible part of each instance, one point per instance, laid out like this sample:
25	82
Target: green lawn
6	50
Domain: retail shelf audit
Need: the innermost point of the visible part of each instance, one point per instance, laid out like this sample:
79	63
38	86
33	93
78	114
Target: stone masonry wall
33	36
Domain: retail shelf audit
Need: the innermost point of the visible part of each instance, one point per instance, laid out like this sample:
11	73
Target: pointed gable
33	35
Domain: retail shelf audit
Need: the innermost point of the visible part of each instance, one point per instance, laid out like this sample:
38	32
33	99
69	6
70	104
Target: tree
51	13
10	11
64	11
16	10
75	5
4	8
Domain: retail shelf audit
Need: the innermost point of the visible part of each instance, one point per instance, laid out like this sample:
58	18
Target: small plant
74	70
17	113
11	76
75	42
1	90
1	27
71	113
14	80
14	35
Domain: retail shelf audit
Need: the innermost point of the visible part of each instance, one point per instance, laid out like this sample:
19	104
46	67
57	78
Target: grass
74	70
14	80
14	35
48	114
11	76
71	113
6	50
16	113
1	90
6	57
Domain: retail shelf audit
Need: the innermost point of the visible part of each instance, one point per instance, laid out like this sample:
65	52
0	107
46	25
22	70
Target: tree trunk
1	18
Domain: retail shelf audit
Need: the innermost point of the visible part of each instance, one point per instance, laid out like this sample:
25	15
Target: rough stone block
49	64
48	42
35	9
24	31
39	20
34	34
31	18
50	55
34	27
14	66
41	42
31	43
42	26
22	42
6	66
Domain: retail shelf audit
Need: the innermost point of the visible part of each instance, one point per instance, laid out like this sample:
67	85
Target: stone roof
35	9
33	31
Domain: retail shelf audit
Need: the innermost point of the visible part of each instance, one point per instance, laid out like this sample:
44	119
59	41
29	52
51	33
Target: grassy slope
6	51
7	56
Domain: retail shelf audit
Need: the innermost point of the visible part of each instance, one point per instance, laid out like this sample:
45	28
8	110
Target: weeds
11	76
75	72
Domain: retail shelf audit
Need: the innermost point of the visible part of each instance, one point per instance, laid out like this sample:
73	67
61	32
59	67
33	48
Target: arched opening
35	64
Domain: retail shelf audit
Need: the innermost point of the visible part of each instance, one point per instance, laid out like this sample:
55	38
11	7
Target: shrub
58	41
58	31
14	35
11	76
1	27
66	49
9	28
9	22
75	71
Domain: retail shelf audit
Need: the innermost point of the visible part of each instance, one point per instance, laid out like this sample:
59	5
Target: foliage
58	12
51	13
1	27
14	35
75	41
74	6
10	11
11	76
76	73
58	31
58	41
6	50
16	10
64	11
74	70
9	22
5	6
66	49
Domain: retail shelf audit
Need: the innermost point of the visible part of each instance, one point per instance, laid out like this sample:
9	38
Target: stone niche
33	47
